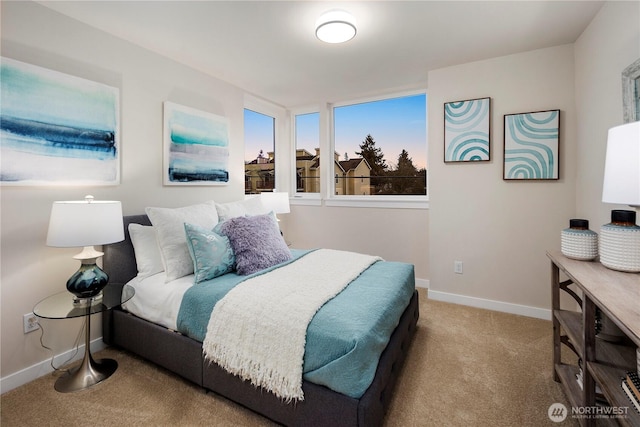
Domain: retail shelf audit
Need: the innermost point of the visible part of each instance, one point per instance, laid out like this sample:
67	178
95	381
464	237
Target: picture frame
532	146
57	129
631	92
467	131
196	146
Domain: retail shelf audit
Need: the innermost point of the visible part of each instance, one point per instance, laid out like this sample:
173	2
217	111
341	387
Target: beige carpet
466	367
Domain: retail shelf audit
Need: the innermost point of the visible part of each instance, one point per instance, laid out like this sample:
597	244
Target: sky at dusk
394	124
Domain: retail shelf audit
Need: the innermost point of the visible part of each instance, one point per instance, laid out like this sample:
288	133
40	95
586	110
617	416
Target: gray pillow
256	242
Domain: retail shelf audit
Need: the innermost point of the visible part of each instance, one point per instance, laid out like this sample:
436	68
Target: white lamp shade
85	223
276	202
622	165
336	26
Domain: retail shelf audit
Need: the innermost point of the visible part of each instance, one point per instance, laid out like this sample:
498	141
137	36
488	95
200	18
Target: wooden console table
617	295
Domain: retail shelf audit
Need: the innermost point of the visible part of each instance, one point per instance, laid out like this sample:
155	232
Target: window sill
392	202
306	200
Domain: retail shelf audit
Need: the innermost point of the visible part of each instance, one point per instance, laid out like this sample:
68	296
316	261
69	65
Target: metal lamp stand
90	372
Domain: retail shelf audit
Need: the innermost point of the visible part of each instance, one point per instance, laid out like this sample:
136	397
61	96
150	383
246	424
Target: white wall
500	229
30	270
394	234
605	48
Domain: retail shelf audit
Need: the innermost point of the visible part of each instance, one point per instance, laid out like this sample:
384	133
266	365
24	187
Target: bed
183	355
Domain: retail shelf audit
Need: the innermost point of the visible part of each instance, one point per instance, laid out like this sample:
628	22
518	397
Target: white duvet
157	301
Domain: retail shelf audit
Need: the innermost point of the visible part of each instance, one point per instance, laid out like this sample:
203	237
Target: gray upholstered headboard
119	260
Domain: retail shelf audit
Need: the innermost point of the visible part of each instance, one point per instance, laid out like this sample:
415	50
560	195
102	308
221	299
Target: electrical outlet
457	267
30	322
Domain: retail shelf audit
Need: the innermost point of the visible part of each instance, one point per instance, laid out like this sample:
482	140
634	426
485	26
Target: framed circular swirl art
531	146
467	131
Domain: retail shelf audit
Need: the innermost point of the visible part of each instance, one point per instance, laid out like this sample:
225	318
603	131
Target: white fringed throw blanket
258	330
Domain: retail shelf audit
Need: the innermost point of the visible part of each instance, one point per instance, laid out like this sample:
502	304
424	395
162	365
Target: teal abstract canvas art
196	147
56	129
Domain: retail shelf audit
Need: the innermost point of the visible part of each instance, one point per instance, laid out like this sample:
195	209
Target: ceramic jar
578	242
620	242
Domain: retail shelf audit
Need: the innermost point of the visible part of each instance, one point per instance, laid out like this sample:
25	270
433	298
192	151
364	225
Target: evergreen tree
374	156
405	164
408	179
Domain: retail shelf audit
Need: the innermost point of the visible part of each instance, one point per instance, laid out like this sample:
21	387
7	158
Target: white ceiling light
336	26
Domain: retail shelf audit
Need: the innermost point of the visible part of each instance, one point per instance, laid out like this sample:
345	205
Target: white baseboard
422	283
505	307
43	368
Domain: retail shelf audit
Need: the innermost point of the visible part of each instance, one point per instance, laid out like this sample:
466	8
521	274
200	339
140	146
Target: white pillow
145	246
252	206
169	225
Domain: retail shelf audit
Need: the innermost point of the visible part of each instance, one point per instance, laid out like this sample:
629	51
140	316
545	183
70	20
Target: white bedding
161	300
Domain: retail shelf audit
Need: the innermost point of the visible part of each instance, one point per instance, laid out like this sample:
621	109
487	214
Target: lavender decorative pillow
256	242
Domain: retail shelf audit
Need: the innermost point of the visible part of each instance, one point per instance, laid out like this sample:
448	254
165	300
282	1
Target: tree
405	164
375	157
408	179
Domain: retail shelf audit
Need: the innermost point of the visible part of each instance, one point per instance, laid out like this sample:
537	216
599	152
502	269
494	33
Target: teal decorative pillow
211	253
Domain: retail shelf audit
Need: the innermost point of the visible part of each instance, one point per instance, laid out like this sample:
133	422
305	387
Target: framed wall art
57	129
631	92
467	130
531	146
196	147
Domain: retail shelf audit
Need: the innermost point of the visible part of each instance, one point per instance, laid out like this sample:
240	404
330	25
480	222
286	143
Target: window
380	147
259	152
307	158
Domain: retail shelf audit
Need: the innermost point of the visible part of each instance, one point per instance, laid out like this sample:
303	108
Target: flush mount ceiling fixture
336	26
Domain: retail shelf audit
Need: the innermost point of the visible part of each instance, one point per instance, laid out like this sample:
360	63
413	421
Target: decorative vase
578	242
620	242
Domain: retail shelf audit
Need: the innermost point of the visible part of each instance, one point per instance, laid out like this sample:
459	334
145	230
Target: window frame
326	196
302	197
279	115
384	201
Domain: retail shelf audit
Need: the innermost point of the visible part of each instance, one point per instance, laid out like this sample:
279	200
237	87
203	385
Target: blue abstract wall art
196	147
56	129
531	146
467	131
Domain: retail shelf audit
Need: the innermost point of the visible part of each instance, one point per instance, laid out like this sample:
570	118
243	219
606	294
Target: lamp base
89	373
88	281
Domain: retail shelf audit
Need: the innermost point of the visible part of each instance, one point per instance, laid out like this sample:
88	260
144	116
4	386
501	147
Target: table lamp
85	223
620	240
276	202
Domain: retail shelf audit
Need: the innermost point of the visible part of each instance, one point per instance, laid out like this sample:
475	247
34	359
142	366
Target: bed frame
183	356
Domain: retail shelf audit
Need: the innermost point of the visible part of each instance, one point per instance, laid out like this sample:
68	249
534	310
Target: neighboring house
307	171
259	174
352	176
356	175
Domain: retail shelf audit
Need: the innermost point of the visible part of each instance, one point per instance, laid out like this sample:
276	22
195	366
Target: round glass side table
65	305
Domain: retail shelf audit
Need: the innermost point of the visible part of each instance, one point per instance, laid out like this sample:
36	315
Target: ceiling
269	48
